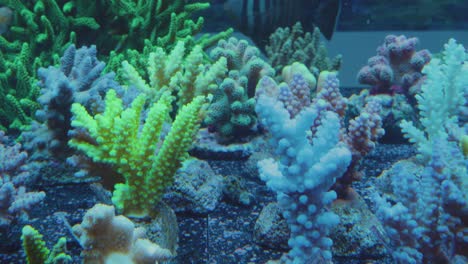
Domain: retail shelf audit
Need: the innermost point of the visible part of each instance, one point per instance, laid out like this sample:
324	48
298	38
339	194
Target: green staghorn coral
18	88
37	252
42	29
183	72
129	24
137	153
288	45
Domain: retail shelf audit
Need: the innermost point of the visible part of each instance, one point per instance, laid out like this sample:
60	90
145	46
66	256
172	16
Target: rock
163	229
206	147
359	234
383	183
236	191
250	165
196	188
271	230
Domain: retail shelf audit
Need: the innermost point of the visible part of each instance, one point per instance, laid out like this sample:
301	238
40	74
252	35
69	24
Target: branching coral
130	23
18	88
45	26
187	75
14	199
232	115
308	166
37	252
441	98
396	67
362	133
245	59
79	79
137	153
43	29
427	222
395	77
288	45
40	32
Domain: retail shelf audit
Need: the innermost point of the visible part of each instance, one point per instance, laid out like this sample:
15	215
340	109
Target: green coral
130	24
464	145
37	252
18	88
232	113
245	58
288	45
41	30
184	73
135	152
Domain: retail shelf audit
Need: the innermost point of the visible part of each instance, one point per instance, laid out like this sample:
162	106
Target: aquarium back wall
358	46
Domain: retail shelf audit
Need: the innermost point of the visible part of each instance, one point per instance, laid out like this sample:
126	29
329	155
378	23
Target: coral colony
117	119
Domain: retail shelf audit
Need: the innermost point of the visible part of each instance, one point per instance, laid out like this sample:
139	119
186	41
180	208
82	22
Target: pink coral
397	66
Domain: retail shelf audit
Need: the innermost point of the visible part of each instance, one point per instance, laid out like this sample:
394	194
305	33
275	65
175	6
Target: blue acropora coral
309	164
79	79
426	222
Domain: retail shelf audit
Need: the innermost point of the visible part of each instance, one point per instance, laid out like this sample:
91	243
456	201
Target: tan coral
107	238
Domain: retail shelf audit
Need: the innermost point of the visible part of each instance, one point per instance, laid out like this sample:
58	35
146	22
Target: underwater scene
233	131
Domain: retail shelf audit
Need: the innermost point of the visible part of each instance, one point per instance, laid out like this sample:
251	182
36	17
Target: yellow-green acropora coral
185	73
136	152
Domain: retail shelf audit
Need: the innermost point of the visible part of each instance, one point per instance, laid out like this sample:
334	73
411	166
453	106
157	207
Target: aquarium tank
233	131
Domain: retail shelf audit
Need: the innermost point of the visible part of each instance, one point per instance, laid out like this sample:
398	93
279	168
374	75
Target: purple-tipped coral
362	133
14	200
396	67
294	94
